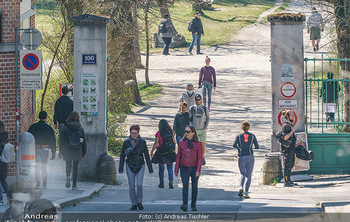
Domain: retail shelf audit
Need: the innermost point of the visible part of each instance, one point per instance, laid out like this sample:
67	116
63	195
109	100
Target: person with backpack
181	120
199	118
3	166
44	141
135	151
244	143
189	162
195	26
288	148
72	146
207	80
330	94
165	154
167	31
63	107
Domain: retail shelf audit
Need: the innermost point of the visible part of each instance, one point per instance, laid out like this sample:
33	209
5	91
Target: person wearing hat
199	118
63	107
169	33
197	31
44	141
314	26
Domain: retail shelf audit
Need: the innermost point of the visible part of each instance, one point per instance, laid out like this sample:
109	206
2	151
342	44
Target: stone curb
86	195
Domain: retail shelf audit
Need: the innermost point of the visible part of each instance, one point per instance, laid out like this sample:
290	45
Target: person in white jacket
188	97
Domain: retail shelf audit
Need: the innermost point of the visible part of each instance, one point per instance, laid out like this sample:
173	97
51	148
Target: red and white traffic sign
31	69
281	118
288	89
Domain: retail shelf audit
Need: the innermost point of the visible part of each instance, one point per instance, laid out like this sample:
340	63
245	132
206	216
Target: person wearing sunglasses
189	162
244	143
199	118
135	151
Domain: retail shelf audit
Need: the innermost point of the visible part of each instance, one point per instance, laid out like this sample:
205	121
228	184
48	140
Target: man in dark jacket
63	107
44	140
197	31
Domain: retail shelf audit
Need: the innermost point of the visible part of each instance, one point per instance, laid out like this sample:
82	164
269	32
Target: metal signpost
31	39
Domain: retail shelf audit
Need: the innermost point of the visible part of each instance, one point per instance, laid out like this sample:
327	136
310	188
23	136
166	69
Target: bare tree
340	10
59	41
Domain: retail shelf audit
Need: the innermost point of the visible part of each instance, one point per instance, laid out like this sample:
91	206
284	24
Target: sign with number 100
89	59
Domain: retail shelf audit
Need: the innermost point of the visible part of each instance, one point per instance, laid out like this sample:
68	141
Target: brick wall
10	19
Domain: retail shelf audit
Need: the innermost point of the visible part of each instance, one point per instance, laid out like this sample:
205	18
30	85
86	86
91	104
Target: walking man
199	118
314	27
44	141
63	107
188	97
197	31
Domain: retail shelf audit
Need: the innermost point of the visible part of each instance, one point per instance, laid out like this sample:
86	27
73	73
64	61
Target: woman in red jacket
189	161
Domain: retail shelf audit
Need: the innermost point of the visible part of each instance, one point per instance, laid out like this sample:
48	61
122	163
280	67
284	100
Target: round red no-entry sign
30	61
288	89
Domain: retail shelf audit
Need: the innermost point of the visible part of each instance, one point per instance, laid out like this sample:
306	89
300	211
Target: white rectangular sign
288	104
30	69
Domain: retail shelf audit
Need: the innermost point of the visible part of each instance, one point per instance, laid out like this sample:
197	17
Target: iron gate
325	100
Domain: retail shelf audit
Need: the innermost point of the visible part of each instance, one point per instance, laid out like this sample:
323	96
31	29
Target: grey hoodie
190	100
199	116
171	31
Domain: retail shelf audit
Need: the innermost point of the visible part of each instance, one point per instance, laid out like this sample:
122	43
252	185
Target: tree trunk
147	43
342	23
137	50
127	55
163	7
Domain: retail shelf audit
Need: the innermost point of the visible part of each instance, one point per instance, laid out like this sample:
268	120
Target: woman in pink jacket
189	161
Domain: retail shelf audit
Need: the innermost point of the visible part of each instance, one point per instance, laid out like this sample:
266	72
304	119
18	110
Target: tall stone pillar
287	71
90	88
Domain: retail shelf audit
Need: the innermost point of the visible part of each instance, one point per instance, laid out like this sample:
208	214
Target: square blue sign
89	59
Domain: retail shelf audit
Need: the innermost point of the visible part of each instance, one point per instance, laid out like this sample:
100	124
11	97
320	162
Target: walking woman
181	120
167	31
72	146
3	166
288	152
189	161
207	80
244	143
135	151
165	139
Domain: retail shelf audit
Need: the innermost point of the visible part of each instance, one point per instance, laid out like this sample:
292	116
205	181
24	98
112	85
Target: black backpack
168	146
162	28
189	27
74	137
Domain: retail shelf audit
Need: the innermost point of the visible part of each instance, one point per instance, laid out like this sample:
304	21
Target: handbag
285	144
304	154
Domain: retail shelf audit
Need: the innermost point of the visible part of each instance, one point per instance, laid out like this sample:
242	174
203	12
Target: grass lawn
220	24
149	92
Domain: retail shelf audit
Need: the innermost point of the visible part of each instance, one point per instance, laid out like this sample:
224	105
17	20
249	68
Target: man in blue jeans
197	31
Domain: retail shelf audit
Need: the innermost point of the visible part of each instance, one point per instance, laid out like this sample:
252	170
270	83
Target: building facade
20	14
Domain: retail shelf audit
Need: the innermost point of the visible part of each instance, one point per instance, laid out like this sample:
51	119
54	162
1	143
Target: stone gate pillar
90	88
287	71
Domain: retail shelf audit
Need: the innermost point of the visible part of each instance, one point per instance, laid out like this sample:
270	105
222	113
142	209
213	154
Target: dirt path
243	93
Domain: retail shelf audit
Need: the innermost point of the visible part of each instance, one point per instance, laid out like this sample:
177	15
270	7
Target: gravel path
243	93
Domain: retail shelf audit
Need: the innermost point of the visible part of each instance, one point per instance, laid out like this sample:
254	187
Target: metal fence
325	96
